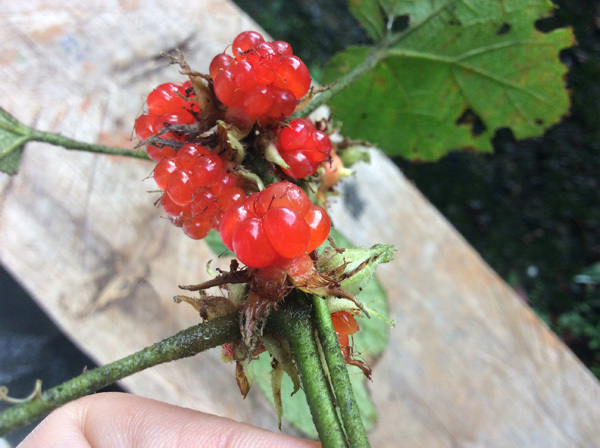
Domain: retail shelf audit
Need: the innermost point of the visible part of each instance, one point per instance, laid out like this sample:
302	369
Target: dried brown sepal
209	307
350	359
244	381
235	275
201	82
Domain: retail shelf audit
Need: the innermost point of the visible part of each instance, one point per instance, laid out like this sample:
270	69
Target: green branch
338	371
14	135
69	143
293	320
186	343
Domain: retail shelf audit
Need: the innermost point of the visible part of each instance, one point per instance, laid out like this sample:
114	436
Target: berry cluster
274	226
168	104
302	147
198	189
263	79
344	325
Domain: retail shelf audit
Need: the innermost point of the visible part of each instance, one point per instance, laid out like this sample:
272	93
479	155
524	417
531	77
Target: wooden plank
468	364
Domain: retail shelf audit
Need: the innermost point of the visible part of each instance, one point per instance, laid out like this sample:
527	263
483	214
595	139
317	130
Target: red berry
251	245
299	268
196	227
144	127
300	165
171	208
226	181
262	77
244	75
180	187
163	171
302	147
246	41
320	225
219	63
282	48
284	194
284	103
229	223
227	90
293	75
167	98
258	100
294	136
232	197
208	169
204	205
344	323
287	232
157	154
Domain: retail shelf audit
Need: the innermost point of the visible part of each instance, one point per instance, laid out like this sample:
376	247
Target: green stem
345	81
293	320
69	143
340	381
186	343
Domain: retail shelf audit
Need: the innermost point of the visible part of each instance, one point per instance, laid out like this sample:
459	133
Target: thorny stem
69	143
338	371
186	343
293	320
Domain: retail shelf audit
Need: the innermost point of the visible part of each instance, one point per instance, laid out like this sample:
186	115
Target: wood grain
469	364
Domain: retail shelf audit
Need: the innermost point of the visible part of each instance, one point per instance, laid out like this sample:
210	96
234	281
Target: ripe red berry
320	225
180	187
344	322
251	245
219	63
299	268
163	171
299	165
196	227
246	41
227	90
263	78
284	220
344	325
258	100
293	75
208	169
302	147
284	194
287	231
167	98
229	223
157	153
171	208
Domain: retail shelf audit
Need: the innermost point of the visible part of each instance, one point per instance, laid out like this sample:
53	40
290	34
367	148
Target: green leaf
368	14
462	70
13	136
372	339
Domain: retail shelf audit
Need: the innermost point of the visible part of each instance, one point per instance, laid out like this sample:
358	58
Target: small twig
37	393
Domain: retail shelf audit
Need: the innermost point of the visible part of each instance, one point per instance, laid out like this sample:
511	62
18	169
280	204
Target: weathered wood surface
468	364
